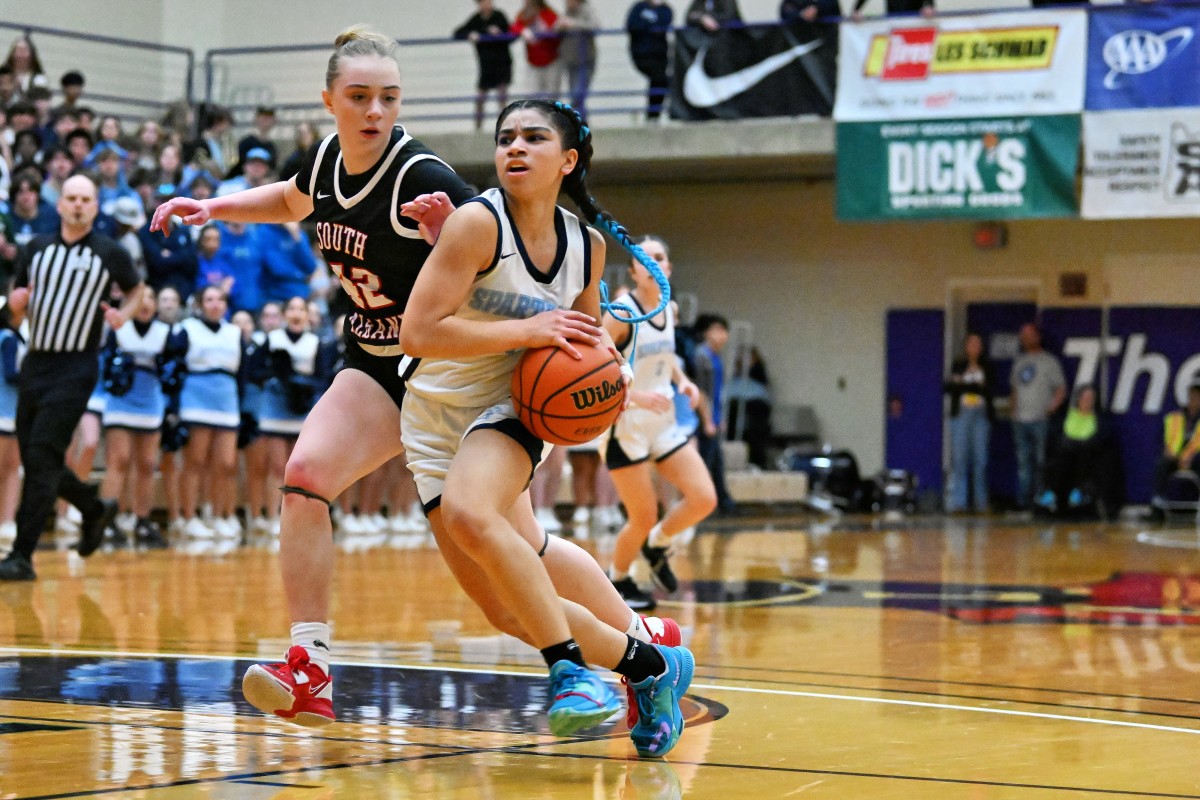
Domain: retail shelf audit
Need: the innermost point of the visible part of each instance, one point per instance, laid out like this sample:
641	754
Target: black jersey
374	251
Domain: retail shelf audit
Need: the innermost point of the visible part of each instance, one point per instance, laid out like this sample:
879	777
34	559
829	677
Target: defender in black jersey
375	252
358	184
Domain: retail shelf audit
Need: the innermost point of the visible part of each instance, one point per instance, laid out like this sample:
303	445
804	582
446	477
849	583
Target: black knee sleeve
305	493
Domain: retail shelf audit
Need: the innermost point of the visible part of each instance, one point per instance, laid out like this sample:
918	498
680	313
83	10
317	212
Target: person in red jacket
535	23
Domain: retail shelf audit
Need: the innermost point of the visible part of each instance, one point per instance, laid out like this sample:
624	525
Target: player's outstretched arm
275	202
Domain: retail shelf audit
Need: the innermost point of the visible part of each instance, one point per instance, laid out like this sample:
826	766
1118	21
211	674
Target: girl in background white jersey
512	270
647	434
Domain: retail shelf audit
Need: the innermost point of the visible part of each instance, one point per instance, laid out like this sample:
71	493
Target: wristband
627	373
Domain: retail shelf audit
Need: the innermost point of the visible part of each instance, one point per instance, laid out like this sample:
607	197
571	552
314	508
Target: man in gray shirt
1038	389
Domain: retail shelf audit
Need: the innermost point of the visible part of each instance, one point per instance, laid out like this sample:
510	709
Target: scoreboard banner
1004	64
995	168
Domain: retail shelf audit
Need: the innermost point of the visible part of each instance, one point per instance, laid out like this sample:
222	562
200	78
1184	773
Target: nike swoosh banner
993	168
756	71
1143	56
956	67
1139	164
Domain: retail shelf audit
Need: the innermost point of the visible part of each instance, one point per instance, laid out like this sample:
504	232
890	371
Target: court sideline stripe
532	749
706	686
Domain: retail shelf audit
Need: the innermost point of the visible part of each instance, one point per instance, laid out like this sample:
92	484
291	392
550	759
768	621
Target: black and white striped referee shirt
68	282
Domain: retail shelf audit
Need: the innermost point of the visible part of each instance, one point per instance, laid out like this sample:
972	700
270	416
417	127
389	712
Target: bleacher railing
130	78
438	80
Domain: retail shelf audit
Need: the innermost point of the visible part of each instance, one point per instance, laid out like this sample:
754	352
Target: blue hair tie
629	316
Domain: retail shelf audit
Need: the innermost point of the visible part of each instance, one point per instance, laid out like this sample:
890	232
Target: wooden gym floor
931	658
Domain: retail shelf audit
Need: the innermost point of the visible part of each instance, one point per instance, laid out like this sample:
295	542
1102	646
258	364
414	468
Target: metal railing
438	78
125	77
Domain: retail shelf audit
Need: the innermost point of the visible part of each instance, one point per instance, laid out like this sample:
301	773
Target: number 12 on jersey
362	285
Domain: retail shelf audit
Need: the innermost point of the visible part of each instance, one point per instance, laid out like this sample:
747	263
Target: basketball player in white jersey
510	271
356	182
646	434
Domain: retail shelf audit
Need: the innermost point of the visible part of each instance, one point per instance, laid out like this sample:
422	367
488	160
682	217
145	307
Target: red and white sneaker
664	631
296	690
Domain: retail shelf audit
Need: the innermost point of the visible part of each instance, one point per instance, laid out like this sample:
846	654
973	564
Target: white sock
315	638
615	574
656	538
637	629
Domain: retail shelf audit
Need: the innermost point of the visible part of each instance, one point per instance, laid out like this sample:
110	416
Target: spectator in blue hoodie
111	171
213	268
289	262
243	248
29	215
170	258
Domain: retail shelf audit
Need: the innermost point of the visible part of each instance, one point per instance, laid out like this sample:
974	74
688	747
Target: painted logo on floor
1125	598
461	699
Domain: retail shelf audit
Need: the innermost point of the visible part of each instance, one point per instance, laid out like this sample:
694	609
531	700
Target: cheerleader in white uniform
209	406
294	354
12	352
251	444
170	312
647	434
133	417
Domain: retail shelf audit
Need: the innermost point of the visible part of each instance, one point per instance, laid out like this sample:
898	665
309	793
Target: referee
61	284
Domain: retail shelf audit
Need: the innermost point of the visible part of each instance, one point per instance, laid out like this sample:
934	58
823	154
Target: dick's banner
962	67
756	71
995	168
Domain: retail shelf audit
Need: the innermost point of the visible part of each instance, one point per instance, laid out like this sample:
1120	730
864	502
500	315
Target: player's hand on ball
560	327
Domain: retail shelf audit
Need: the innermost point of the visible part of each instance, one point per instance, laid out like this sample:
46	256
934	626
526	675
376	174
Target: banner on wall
1003	64
1140	164
1003	168
756	71
1143	56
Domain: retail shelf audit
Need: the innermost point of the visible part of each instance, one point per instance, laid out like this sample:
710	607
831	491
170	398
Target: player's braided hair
357	40
576	135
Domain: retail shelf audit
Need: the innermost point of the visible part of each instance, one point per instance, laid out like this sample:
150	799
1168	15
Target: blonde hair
357	40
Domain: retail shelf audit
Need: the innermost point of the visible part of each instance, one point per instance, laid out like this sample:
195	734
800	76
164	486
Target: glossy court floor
929	658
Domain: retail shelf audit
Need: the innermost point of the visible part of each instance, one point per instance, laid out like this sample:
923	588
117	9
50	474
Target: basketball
564	401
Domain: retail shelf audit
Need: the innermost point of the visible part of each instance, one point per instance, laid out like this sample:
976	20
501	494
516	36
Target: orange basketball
564	401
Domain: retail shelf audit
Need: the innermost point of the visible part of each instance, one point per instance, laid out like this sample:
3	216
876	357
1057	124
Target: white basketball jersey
144	349
303	351
210	350
653	356
510	288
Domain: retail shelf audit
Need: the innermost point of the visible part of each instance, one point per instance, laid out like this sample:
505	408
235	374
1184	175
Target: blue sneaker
1075	499
1048	501
660	721
581	699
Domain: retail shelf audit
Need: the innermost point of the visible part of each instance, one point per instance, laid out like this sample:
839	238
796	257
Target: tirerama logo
910	54
1136	52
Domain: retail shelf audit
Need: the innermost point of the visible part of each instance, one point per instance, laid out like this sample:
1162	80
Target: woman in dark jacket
970	388
1083	470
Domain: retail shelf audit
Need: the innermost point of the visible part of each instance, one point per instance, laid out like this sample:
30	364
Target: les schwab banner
962	67
998	168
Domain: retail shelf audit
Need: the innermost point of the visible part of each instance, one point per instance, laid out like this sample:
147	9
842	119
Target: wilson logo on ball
586	398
